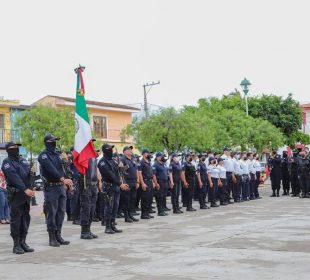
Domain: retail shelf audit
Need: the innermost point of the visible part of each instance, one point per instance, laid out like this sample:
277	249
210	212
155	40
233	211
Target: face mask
108	153
203	159
13	153
163	159
51	146
190	159
149	157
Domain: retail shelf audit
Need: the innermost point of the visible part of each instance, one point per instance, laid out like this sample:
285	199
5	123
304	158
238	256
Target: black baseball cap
126	148
226	149
107	146
50	137
145	151
11	144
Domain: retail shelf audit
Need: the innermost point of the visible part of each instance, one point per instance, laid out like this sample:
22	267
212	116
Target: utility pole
146	91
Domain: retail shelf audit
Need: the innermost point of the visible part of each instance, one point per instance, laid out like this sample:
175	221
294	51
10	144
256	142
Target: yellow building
106	119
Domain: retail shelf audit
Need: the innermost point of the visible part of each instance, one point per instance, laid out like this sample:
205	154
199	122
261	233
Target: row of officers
117	185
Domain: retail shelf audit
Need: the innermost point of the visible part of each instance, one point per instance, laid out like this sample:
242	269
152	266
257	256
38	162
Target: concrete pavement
262	239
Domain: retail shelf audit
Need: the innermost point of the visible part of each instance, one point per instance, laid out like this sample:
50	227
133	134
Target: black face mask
50	146
13	152
149	157
108	153
203	159
163	159
190	159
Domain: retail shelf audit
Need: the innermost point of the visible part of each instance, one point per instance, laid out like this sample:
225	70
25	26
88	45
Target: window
100	127
1	121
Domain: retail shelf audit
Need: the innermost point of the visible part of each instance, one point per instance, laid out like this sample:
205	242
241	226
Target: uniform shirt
130	169
74	171
214	171
256	165
51	166
237	167
228	163
91	173
222	171
189	169
146	169
250	164
175	169
244	167
109	171
160	171
203	171
16	172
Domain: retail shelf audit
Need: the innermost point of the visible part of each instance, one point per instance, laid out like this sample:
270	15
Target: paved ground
263	239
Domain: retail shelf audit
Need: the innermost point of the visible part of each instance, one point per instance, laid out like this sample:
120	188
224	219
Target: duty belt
54	184
13	189
106	183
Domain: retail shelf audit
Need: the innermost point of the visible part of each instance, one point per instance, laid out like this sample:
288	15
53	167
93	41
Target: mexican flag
83	145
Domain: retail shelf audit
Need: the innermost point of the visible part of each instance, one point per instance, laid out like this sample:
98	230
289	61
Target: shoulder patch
44	156
102	163
7	166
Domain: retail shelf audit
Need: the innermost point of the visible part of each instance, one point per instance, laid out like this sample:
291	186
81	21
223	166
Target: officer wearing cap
239	177
274	163
160	178
175	172
146	180
88	198
188	178
202	175
111	185
294	174
130	176
304	174
54	191
286	180
230	175
17	174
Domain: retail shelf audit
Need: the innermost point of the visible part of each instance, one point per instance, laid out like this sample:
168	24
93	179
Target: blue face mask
50	146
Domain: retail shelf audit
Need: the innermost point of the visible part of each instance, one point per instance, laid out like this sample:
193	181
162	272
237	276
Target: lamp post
245	87
145	86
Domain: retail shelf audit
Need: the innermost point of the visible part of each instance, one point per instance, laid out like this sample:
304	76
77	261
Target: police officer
130	176
286	180
202	175
188	178
146	180
88	198
230	175
17	174
111	185
239	177
294	174
160	178
54	191
175	172
274	163
304	174
245	190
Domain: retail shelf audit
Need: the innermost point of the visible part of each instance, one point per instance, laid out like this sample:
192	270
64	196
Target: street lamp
245	87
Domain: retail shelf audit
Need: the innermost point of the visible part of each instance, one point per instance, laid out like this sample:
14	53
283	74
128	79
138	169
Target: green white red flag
83	145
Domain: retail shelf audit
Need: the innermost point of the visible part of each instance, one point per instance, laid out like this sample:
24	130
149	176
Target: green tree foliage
38	121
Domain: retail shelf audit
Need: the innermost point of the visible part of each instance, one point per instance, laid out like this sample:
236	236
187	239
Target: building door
2	138
100	127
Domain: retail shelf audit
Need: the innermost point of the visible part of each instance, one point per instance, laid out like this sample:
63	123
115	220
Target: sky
195	48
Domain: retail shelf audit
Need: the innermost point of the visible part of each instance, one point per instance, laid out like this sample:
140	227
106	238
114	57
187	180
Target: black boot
59	238
108	228
85	233
127	217
25	246
144	215
213	204
103	223
34	201
52	239
190	207
116	230
148	213
278	193
132	217
17	248
92	234
176	210
178	207
273	193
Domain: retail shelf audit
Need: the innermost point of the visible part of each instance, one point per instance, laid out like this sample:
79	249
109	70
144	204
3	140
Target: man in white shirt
252	171
230	176
245	177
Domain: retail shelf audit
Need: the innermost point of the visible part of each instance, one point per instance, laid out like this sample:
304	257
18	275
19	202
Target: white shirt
237	167
222	171
214	171
250	164
228	163
244	167
257	166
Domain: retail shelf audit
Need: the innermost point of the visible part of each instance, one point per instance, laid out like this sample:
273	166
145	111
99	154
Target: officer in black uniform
294	174
130	176
54	190
111	186
304	174
160	178
274	163
175	172
146	180
17	174
188	178
88	198
286	180
202	174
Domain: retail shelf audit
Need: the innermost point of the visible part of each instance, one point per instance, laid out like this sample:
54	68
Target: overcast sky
196	48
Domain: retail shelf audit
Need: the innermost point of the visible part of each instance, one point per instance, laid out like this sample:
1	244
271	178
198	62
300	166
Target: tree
38	121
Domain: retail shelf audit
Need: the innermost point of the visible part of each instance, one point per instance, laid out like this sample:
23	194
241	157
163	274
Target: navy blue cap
159	154
115	155
50	137
145	151
220	159
107	146
11	144
126	148
188	155
211	158
173	155
226	149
